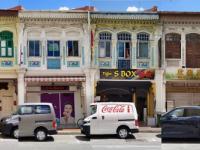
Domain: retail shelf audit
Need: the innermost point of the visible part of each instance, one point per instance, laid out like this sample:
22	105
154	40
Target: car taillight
136	123
54	125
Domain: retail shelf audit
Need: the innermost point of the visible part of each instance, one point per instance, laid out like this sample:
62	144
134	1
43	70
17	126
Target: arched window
142	45
105	44
173	45
124	45
6	44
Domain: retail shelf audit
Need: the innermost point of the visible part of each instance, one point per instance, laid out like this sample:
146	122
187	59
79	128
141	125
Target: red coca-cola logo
113	109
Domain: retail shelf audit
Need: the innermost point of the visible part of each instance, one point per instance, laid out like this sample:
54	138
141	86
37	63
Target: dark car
181	122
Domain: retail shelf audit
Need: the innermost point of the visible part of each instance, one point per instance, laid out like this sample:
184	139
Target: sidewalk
141	129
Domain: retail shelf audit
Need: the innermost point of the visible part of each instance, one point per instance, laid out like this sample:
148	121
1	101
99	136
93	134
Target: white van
111	118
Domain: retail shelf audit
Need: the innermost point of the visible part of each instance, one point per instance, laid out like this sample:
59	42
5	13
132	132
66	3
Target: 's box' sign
131	74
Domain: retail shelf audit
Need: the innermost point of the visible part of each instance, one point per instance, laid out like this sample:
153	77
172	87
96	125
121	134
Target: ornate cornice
52	15
125	16
11	19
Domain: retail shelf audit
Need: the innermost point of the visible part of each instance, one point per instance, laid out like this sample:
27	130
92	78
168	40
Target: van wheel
15	133
40	134
122	132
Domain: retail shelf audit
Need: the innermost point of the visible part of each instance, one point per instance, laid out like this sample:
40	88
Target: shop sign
184	74
54	88
131	74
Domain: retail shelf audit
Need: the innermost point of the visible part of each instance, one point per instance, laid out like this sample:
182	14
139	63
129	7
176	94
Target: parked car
31	119
181	122
111	118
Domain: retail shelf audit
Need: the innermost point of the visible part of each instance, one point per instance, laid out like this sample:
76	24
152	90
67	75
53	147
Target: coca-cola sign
115	108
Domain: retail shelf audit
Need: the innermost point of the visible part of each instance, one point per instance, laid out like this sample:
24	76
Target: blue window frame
143	45
53	48
34	48
105	44
73	49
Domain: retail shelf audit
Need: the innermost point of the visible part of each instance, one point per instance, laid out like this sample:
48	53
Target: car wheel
40	134
122	132
15	133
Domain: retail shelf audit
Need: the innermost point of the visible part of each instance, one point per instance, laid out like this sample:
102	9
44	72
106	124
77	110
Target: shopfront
133	85
182	88
65	93
8	97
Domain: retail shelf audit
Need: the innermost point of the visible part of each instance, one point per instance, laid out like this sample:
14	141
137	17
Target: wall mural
184	74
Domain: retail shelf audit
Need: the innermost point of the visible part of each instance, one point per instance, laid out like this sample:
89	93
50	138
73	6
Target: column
183	49
160	92
114	51
21	56
21	86
86	56
89	88
134	54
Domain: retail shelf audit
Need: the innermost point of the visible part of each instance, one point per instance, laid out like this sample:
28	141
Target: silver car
31	119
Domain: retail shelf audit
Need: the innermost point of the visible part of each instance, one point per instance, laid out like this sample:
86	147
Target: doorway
141	104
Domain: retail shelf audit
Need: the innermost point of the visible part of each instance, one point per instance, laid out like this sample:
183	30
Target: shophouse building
180	58
8	61
125	60
55	60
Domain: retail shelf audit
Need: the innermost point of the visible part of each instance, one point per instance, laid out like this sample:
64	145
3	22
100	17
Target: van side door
26	120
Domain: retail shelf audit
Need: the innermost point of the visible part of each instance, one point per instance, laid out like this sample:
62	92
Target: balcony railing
123	64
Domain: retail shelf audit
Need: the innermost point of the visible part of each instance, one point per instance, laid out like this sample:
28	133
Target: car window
25	110
42	109
192	112
177	112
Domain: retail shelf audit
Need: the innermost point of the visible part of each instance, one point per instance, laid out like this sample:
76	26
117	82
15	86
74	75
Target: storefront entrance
119	91
64	107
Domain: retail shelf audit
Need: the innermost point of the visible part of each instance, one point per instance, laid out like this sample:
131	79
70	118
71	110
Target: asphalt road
141	141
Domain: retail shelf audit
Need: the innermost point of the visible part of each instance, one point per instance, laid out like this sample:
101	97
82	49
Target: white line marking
122	146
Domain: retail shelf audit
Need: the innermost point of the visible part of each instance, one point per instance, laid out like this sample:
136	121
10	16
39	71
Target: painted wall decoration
183	74
104	64
131	74
73	64
7	63
34	64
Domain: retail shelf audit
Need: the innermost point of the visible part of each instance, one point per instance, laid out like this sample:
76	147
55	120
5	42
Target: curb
69	132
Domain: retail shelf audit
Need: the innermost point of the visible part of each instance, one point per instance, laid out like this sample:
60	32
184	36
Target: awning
54	79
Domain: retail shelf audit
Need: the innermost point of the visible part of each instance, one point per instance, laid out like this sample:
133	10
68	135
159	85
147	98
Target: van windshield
93	109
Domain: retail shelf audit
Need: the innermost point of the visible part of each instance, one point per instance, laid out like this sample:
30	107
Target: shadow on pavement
158	135
181	140
6	137
32	139
82	138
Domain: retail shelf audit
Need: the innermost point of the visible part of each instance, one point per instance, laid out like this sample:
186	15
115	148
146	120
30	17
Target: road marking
122	146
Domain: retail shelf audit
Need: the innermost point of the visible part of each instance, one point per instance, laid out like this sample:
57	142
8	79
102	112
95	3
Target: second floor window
105	44
6	44
73	49
124	45
34	48
143	45
173	46
53	48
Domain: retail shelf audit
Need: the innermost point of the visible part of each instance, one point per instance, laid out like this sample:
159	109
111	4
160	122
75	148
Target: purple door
54	99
